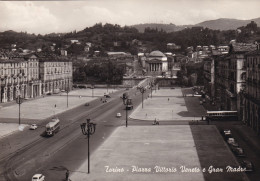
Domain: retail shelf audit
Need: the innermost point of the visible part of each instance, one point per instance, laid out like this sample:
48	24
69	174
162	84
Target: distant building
63	52
74	41
173	46
156	64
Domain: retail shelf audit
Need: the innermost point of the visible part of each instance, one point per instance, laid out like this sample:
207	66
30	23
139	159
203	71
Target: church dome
156	53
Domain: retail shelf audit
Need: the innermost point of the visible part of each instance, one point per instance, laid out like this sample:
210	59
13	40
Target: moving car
38	177
107	96
247	165
33	127
118	115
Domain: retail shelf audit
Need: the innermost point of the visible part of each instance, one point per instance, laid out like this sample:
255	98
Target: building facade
251	116
209	76
55	75
156	64
30	76
231	77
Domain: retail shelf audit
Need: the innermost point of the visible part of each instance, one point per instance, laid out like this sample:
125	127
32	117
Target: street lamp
91	128
151	86
19	101
142	90
128	105
92	87
67	91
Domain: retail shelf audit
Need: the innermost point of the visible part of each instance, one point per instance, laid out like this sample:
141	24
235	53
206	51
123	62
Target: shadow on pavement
214	155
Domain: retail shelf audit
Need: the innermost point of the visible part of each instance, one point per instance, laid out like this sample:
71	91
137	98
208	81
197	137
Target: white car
118	115
33	127
38	177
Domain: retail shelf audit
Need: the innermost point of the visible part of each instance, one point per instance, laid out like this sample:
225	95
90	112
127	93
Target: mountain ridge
217	24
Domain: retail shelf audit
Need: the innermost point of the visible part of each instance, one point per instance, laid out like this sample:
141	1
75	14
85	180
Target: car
227	134
107	96
87	104
49	93
118	115
226	131
231	140
247	165
233	144
38	177
238	151
33	127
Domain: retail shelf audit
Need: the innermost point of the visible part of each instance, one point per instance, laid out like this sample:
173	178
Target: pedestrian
67	175
168	99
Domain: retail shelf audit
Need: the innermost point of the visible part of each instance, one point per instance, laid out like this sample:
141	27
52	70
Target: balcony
230	94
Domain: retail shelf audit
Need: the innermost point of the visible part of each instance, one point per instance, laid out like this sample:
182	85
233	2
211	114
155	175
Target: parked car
33	127
38	177
118	115
238	151
233	144
87	104
247	165
49	93
227	134
231	140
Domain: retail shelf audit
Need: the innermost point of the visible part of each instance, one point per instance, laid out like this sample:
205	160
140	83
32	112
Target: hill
218	24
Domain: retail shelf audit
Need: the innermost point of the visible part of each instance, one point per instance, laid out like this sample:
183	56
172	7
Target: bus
221	115
52	127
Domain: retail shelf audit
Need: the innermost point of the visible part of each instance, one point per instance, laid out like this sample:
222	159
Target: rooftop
156	53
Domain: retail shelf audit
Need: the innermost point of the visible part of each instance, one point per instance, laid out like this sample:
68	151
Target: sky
42	17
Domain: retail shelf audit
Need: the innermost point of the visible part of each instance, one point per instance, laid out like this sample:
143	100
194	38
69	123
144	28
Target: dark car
238	151
49	93
247	165
87	104
107	96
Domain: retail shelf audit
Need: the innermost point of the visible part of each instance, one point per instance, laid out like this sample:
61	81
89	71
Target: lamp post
151	86
67	91
126	102
88	129
19	101
142	90
92	87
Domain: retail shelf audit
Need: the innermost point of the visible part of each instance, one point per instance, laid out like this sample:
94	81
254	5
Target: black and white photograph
130	90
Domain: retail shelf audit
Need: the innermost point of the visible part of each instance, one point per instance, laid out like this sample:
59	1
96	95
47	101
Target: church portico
156	63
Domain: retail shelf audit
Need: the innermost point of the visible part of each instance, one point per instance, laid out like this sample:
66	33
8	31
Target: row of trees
109	72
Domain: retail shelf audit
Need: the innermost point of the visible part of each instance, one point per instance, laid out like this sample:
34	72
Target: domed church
156	63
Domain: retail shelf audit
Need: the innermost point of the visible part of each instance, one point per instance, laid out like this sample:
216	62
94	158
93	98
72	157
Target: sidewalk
144	153
169	104
156	153
42	108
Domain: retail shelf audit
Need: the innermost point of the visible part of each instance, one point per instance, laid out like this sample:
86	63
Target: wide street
178	141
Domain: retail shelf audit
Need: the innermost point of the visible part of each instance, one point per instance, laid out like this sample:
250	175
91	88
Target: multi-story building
209	76
251	115
55	74
230	77
31	76
14	79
